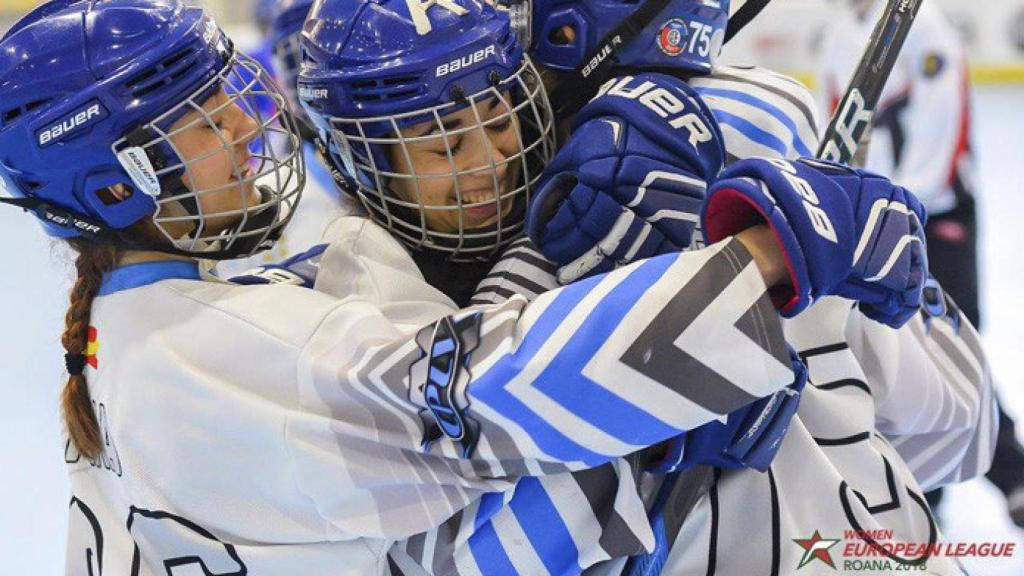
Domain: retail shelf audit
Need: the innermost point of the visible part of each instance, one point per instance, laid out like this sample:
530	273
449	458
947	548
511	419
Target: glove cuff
728	211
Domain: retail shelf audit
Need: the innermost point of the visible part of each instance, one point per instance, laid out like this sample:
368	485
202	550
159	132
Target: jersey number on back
161	539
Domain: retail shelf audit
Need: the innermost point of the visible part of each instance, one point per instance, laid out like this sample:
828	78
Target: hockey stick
853	115
681	491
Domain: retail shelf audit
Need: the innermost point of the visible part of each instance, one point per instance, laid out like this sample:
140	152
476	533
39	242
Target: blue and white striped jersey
887	412
760	112
374	409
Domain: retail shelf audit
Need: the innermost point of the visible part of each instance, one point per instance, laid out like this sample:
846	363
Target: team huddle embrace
422	303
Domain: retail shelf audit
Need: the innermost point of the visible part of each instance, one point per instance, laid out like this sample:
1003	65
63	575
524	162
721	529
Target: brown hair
92	262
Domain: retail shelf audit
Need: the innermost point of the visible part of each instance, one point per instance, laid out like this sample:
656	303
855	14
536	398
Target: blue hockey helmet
286	22
678	34
91	92
374	69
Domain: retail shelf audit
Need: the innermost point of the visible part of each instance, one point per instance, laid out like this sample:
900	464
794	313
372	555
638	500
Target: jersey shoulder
761	112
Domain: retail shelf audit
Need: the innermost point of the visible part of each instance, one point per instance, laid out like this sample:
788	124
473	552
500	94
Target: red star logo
816	547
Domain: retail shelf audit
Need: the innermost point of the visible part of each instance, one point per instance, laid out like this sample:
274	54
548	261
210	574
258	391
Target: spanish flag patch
92	348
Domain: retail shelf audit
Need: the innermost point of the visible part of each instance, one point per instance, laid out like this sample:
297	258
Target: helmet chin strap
96	231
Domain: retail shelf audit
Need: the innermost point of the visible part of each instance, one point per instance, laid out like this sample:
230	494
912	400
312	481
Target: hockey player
870	379
558	523
922	137
269	429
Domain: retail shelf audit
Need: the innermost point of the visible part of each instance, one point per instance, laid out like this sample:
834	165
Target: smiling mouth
481	207
480	197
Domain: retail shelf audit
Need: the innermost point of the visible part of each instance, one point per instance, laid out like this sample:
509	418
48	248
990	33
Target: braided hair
92	262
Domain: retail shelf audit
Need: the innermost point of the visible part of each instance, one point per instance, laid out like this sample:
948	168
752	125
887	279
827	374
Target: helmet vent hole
168	71
36	104
30	186
399	80
562	36
175	58
382	89
13	114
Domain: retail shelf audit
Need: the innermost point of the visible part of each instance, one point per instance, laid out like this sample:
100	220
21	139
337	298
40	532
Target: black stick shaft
853	116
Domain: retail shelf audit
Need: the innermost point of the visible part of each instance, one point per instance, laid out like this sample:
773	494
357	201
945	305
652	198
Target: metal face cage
496	141
272	165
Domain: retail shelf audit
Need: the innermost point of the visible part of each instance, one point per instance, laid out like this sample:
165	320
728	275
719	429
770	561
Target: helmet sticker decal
137	164
672	37
418	11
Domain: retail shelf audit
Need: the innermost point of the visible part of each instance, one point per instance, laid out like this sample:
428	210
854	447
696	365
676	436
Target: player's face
471	153
218	156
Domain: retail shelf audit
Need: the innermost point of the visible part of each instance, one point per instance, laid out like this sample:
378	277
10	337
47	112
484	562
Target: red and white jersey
921	135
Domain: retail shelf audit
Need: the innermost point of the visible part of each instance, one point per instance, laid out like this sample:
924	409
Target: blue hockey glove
844	232
890	261
299	270
630	181
750	436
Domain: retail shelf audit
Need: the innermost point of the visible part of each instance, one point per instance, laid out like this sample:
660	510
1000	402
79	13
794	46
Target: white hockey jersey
275	430
922	124
887	415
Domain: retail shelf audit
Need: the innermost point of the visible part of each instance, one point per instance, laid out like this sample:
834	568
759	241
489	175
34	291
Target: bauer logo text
465	61
71	124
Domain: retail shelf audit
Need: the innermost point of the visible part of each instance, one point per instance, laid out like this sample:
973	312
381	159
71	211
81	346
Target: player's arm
933	390
587	372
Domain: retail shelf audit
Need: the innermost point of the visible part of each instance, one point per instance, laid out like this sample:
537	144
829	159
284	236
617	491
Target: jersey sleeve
476	398
760	112
933	392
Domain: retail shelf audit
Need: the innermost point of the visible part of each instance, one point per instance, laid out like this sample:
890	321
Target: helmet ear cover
160	157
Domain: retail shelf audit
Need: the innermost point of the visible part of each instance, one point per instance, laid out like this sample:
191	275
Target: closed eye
501	126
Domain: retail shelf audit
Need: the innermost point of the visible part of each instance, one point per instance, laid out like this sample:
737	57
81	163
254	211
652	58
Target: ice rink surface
34	490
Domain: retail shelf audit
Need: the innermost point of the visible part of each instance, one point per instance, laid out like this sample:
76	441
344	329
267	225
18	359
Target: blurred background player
922	138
